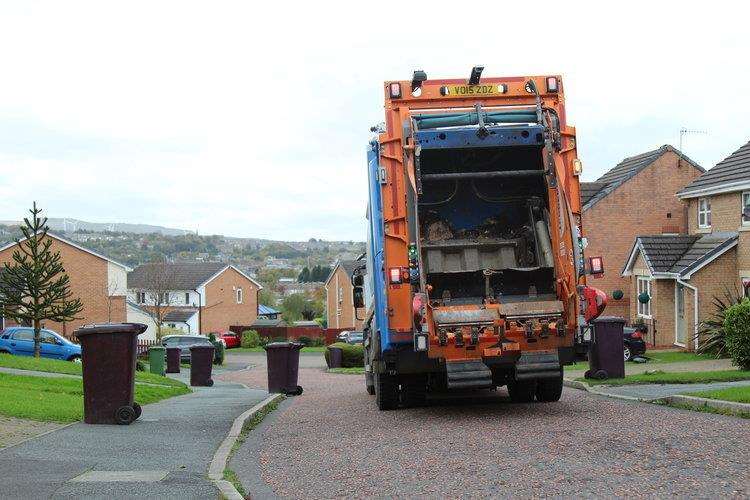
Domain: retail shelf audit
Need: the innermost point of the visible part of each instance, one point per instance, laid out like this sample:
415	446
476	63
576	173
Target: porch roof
679	256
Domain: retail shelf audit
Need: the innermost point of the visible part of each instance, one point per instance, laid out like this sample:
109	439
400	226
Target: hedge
737	332
353	355
250	338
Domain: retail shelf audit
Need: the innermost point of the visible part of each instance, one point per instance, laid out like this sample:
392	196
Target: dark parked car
185	342
633	343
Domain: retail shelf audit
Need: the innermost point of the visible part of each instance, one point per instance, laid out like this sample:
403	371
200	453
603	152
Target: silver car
185	342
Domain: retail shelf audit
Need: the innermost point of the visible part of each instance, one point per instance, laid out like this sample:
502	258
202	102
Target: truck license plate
472	89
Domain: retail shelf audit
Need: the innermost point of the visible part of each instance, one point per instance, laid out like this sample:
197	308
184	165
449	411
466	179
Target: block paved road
332	442
166	451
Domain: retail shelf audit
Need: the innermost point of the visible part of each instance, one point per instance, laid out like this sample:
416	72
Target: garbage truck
474	276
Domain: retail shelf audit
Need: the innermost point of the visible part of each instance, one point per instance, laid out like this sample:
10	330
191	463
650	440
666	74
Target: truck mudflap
470	374
538	365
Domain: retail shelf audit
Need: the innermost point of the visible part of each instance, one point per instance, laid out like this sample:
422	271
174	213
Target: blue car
19	340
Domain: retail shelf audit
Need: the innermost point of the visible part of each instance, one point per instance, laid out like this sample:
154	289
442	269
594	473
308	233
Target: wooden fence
328	335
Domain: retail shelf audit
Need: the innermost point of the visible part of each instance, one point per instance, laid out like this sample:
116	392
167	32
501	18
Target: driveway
332	442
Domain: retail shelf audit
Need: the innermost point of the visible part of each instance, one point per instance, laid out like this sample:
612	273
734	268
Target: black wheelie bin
283	367
606	351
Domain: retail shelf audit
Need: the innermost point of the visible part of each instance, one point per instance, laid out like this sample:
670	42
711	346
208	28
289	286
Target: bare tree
159	284
110	289
35	286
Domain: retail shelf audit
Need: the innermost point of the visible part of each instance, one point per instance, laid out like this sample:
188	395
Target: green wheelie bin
156	356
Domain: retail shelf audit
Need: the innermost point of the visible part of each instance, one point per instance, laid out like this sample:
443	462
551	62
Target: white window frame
643	284
140	297
705	213
238	295
187	298
743	196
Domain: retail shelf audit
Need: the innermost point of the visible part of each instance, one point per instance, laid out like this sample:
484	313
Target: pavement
659	391
631	368
164	454
333	442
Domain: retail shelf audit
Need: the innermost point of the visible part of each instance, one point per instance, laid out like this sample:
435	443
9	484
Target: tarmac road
333	442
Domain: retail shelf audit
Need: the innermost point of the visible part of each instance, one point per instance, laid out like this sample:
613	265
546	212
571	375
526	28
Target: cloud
252	118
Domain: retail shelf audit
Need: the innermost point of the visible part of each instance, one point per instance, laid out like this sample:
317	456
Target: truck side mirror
358	297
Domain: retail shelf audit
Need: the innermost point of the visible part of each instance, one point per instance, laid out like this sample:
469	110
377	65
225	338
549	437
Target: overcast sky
251	118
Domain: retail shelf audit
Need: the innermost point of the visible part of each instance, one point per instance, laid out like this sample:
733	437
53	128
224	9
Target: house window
239	295
644	285
187	298
341	295
704	212
140	297
746	208
164	298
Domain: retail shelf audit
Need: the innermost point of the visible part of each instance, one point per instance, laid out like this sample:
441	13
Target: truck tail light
552	84
395	275
395	90
420	342
596	265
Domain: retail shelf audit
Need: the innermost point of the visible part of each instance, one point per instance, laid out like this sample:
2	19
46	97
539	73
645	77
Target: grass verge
61	399
240	350
676	356
231	476
662	377
708	409
735	394
69	368
356	370
248	426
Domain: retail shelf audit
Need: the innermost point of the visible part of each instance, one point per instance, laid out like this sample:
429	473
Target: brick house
682	273
339	301
98	281
204	297
635	197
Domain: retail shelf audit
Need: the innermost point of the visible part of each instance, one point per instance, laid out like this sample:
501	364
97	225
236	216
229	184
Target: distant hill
73	225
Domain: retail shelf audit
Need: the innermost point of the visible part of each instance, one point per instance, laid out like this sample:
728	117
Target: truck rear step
539	365
468	375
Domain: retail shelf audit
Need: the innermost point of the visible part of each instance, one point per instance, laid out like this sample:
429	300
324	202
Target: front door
679	324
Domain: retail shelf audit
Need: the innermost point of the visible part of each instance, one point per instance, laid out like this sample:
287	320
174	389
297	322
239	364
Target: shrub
711	331
353	355
318	342
250	338
304	340
140	366
220	352
737	333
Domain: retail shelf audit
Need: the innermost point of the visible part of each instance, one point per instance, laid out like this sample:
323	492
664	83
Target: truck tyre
386	391
369	383
549	390
414	391
522	392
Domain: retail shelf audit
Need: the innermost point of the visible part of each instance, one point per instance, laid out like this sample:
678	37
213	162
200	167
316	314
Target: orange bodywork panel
497	334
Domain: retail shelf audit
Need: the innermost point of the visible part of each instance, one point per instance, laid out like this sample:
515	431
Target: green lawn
61	399
736	394
240	350
661	377
69	368
357	370
676	356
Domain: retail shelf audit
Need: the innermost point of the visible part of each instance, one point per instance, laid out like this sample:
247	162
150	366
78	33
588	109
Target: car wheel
628	354
75	359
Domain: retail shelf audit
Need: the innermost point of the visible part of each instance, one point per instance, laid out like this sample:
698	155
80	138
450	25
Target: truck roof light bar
476	74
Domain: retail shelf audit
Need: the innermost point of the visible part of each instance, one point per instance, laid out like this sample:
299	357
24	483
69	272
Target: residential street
164	454
332	442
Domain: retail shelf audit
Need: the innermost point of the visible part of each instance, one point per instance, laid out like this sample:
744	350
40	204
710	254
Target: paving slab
178	436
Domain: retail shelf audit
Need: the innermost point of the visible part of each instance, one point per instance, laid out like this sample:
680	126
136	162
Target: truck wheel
386	391
549	390
414	392
522	392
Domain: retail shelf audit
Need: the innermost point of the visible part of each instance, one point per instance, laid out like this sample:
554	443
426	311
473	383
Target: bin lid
284	345
131	328
608	319
201	346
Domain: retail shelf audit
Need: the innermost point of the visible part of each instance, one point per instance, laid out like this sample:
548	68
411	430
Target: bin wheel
587	374
600	374
138	410
125	415
210	382
298	391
